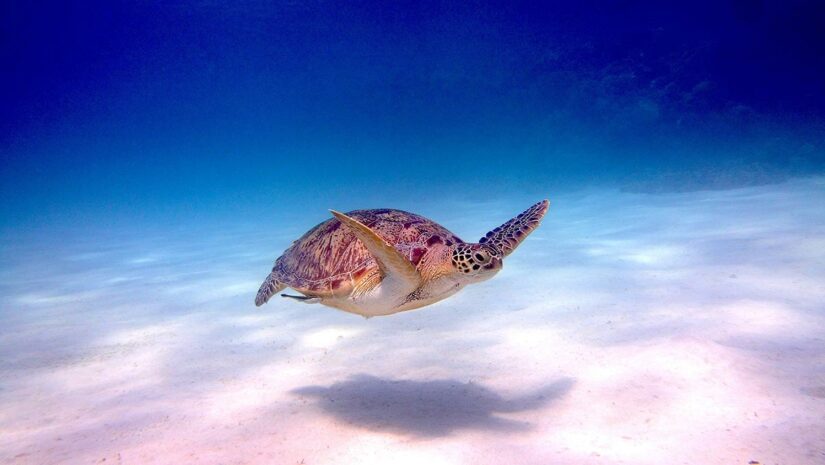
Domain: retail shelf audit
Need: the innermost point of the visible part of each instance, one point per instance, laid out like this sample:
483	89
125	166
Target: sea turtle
380	262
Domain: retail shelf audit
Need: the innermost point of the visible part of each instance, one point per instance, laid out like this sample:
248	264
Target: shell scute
330	259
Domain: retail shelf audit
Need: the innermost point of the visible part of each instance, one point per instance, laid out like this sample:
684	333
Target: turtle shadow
426	408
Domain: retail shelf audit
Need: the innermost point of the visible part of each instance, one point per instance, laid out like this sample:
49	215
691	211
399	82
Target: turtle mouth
495	264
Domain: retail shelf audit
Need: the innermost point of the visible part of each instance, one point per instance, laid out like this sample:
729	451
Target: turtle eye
481	257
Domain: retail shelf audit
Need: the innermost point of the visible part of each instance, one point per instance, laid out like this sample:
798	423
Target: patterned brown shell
329	259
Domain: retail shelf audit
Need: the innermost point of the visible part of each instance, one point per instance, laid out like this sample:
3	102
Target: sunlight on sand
661	255
260	389
766	318
40	299
327	337
134	369
637	329
375	450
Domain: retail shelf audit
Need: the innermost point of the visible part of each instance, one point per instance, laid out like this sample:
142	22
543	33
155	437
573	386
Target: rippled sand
630	328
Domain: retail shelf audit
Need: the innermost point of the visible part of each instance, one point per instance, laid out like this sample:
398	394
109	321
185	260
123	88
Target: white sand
630	328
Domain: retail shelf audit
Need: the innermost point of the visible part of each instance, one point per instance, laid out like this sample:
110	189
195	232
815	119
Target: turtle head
476	262
447	268
479	262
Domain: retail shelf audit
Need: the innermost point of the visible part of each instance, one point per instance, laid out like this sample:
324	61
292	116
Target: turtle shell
330	260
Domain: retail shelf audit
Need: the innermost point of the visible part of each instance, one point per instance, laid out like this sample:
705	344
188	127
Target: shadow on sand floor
426	408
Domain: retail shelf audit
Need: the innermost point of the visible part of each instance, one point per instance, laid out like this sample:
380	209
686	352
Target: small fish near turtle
384	261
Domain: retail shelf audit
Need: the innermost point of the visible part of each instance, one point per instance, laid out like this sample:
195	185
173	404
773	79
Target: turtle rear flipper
303	298
270	286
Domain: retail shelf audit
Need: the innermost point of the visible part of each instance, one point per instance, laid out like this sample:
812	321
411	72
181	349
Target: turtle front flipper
509	235
393	265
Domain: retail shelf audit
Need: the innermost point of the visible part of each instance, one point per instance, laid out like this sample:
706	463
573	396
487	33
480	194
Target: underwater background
156	157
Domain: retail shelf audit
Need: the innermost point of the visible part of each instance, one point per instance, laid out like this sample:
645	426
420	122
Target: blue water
155	158
145	109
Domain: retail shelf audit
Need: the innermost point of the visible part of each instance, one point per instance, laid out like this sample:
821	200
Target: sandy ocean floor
630	328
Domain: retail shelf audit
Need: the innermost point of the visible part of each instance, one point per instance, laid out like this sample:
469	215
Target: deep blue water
141	110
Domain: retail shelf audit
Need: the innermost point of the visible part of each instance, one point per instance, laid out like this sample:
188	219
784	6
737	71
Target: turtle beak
496	264
489	270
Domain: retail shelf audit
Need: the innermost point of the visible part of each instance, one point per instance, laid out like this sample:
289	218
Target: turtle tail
270	286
